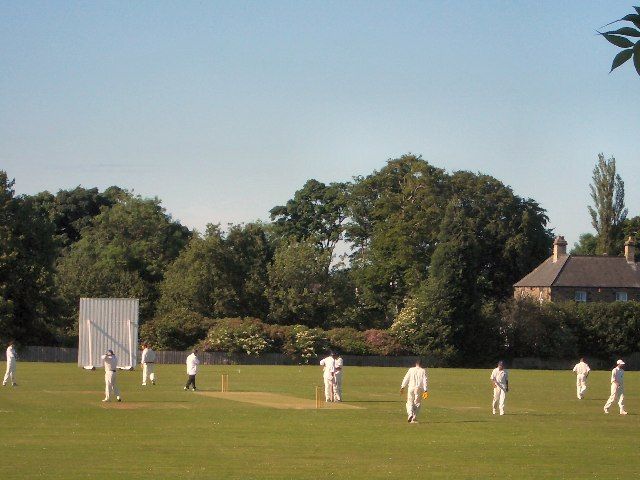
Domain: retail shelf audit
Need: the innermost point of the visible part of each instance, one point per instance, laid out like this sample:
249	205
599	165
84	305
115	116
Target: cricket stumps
224	382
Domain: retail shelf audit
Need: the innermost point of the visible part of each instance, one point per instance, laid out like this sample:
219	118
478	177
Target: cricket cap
110	352
620	362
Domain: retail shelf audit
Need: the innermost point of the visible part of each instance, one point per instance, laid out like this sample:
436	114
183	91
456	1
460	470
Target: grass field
54	426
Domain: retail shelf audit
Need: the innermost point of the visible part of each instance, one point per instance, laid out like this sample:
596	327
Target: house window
621	296
581	296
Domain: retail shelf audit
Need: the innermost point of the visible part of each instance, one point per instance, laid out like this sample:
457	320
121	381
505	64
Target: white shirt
337	365
329	366
148	356
416	377
616	376
11	354
501	377
192	364
110	363
581	368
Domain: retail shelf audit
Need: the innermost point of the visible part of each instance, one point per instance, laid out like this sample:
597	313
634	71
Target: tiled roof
584	271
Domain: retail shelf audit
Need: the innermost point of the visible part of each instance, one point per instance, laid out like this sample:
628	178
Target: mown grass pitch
54	426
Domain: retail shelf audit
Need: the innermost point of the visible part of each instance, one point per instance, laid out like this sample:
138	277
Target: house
583	278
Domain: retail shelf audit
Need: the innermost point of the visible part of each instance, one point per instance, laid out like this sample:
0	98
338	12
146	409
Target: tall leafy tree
220	275
300	287
124	252
608	211
627	39
317	212
27	253
73	210
394	222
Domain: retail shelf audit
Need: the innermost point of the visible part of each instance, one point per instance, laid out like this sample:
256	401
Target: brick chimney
630	250
559	248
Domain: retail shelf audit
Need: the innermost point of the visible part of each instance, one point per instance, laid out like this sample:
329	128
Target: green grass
51	430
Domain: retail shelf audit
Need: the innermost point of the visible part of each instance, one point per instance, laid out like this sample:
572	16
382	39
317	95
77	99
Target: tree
607	193
299	289
123	253
220	275
316	212
73	210
394	222
587	245
28	306
626	38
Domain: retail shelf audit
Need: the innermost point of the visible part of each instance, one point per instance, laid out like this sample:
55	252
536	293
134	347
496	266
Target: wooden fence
70	355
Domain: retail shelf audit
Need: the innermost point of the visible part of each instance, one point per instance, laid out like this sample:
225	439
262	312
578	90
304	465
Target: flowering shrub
304	343
348	340
234	335
381	342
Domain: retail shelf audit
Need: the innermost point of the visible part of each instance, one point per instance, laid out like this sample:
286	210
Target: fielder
416	382
500	382
582	372
617	388
10	374
148	365
192	370
338	363
110	370
329	377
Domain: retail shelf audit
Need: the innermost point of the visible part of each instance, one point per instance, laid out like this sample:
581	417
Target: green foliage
304	343
73	210
220	276
608	212
27	253
299	285
123	253
537	330
316	212
348	341
237	335
382	342
550	330
626	38
587	245
175	330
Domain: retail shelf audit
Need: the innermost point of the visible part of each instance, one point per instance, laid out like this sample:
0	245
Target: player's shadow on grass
376	401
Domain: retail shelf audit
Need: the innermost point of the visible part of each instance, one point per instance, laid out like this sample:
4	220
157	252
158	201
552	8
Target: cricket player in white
338	363
148	361
328	374
617	388
416	383
500	382
110	370
10	374
582	372
192	370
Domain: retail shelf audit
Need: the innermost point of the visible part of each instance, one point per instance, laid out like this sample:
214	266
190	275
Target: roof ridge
566	260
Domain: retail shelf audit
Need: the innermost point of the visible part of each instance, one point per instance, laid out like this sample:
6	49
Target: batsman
417	385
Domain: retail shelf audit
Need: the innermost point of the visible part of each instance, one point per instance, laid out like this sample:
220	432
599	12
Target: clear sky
224	109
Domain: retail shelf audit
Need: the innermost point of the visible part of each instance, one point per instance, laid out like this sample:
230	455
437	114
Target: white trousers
499	397
10	373
110	385
617	395
148	372
337	388
581	385
329	389
414	399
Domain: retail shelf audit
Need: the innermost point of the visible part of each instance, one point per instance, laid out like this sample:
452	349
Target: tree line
430	260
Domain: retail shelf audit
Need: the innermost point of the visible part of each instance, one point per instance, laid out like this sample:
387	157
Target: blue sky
224	109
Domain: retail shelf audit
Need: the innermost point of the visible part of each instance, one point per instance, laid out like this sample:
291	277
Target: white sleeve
322	362
405	380
575	369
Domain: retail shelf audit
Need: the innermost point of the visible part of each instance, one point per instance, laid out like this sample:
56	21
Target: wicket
225	382
318	402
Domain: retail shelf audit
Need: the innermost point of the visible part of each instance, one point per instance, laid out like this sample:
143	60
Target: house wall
563	294
540	294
